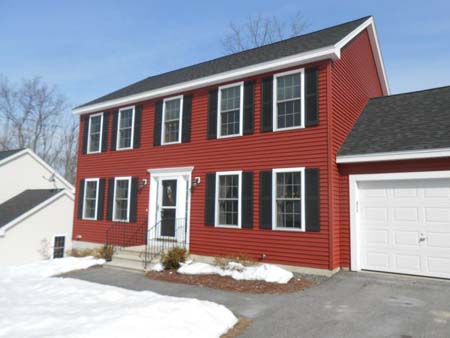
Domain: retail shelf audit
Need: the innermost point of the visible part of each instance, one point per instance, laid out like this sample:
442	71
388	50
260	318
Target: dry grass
105	252
242	258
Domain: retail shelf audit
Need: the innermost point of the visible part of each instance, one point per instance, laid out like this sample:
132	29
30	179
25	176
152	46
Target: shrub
241	258
172	258
106	252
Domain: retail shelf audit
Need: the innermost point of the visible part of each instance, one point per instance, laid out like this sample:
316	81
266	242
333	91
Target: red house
240	155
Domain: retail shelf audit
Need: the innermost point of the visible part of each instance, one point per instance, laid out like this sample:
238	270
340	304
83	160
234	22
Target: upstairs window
289	100
229	122
288	194
59	245
95	133
172	117
125	130
90	198
122	189
228	196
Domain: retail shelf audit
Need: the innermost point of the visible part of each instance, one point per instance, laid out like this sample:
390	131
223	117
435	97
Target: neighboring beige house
36	209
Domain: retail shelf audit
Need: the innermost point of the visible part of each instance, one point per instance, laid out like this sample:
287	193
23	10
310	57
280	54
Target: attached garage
399	210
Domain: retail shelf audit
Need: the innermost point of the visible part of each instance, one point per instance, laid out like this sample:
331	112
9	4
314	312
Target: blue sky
89	48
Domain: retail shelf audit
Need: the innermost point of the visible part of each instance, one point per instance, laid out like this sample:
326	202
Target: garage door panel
405	226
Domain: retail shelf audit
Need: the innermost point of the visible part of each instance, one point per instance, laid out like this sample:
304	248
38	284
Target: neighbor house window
289	100
90	198
228	196
125	128
95	133
172	117
122	188
59	245
288	199
229	122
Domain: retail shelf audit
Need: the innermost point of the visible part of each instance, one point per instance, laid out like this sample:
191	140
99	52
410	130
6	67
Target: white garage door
405	226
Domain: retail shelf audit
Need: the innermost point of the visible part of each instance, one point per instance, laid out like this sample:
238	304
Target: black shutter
110	198
80	199
212	113
137	126
311	97
312	199
265	199
133	199
267	104
210	199
85	120
158	123
187	113
101	198
115	116
247	199
249	104
105	132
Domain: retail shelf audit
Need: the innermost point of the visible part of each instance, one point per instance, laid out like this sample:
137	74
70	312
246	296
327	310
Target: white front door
404	226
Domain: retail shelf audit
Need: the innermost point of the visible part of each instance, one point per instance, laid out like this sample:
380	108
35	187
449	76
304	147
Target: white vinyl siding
95	133
172	120
90	202
228	199
121	206
125	128
230	110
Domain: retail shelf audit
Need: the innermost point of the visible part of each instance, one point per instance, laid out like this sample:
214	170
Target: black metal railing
164	235
126	234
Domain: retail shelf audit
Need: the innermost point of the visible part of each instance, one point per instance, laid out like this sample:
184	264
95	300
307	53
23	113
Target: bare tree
259	30
34	115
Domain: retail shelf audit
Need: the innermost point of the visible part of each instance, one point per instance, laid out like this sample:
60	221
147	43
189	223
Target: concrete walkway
346	305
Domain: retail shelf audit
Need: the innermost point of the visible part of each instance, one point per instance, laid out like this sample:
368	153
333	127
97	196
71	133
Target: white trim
53	246
395	156
300	71
301	170
241	109
180	123
171	171
30	212
41	162
330	52
132	128
122	178
355	240
97	181
216	200
99	150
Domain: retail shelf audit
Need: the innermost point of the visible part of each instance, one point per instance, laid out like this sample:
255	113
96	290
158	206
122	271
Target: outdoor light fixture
196	181
143	183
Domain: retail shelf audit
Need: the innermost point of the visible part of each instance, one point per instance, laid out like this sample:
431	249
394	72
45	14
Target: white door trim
167	173
355	240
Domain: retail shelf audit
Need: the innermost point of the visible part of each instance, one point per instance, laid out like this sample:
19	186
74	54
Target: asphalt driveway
346	305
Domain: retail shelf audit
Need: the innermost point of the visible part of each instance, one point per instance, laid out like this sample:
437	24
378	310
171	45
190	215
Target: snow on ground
266	272
34	305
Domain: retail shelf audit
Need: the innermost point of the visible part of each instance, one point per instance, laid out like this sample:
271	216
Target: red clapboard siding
261	151
354	80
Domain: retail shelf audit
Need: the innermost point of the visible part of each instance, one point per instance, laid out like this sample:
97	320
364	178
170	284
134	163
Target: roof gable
7	153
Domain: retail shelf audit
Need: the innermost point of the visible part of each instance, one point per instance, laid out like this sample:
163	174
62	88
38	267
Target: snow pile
33	305
266	272
158	267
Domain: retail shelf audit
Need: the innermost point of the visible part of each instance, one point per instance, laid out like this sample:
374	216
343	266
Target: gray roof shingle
23	202
404	122
7	153
299	44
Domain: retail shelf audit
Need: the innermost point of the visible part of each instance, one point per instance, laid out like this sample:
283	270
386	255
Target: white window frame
122	178
97	181
216	202
300	71
53	245
274	198
99	150
180	125
241	109
132	128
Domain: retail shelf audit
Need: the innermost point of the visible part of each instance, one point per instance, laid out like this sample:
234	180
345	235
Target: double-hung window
121	207
288	199
228	198
172	120
125	128
95	133
90	198
289	102
230	110
59	245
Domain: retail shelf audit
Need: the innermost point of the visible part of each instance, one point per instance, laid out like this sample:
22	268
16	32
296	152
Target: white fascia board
30	212
330	52
395	156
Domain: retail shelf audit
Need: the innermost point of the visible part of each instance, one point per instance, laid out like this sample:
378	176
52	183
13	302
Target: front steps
131	258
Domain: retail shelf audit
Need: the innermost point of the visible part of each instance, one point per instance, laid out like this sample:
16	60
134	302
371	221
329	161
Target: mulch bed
230	284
